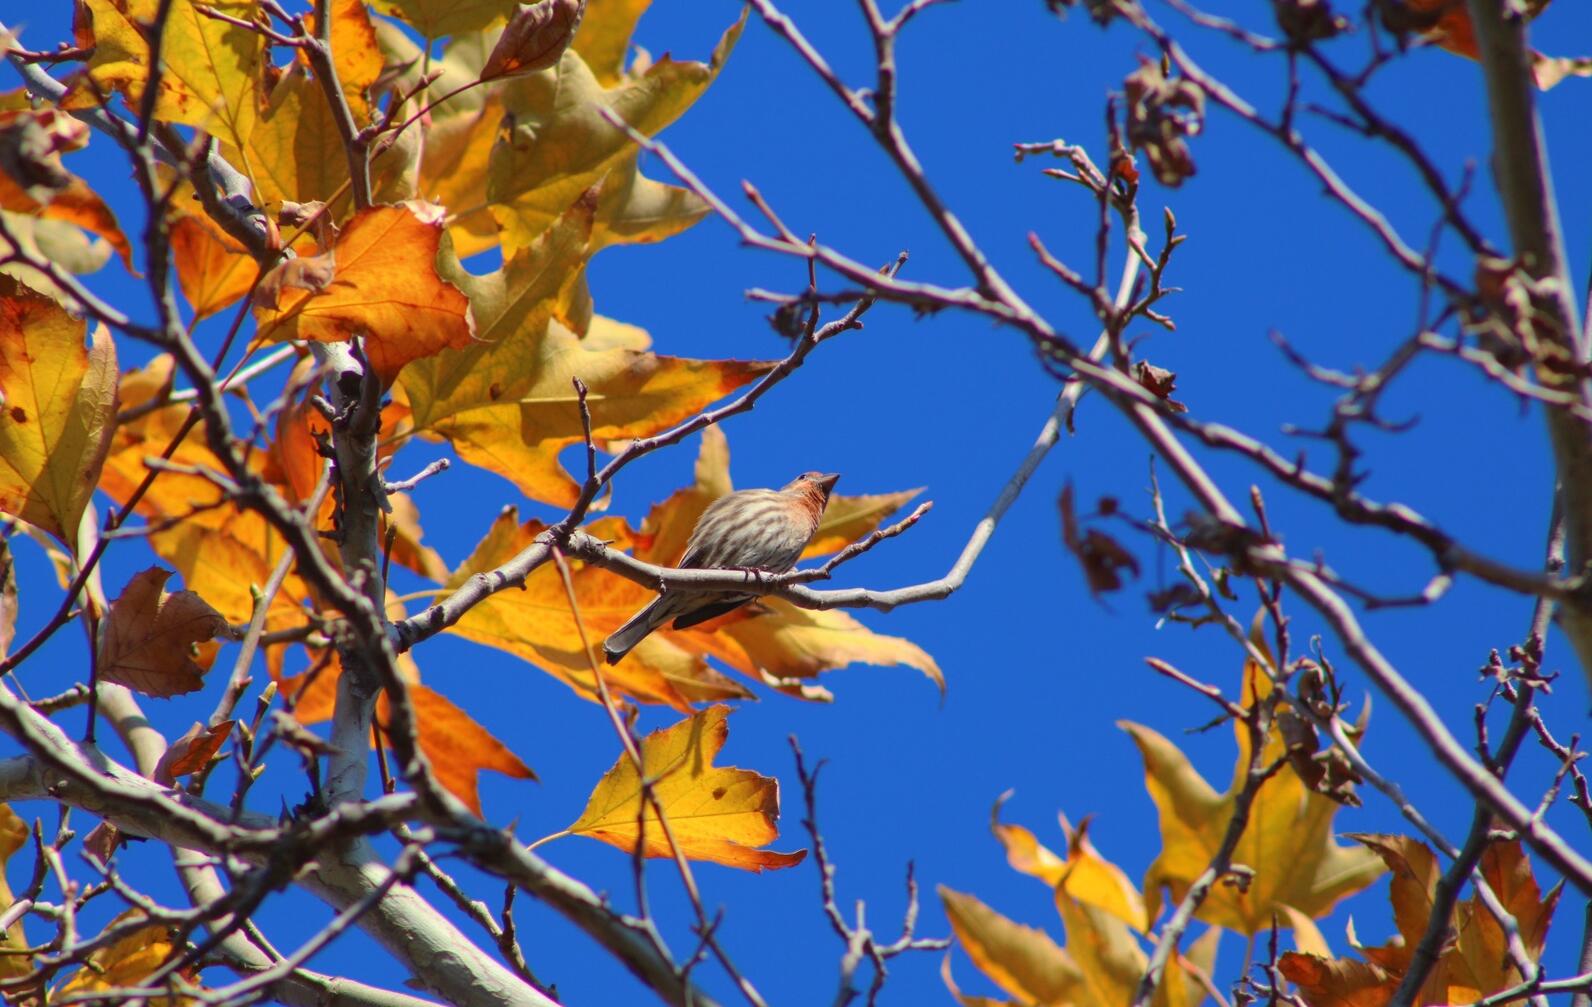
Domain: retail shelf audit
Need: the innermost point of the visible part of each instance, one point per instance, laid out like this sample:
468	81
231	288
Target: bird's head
817	484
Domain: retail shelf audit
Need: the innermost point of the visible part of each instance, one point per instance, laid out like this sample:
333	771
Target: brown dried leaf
1103	558
536	36
150	637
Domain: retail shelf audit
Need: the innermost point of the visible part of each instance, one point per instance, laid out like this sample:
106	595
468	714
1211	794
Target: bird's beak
828	482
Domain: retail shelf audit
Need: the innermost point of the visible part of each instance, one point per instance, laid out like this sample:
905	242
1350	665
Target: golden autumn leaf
1101	964
715	813
355	52
1289	843
603	40
13	836
57	412
506	402
1474	961
213	270
149	638
453	171
385	287
1083	874
457	746
536	625
211	67
435	19
217	548
559	145
773	640
127	961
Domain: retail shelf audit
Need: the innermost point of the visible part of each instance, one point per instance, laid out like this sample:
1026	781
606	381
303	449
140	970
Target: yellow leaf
294	152
434	19
635	210
849	518
355	52
718	814
211	74
1022	960
453	172
57	414
128	961
149	636
13	836
559	144
506	401
213	270
604	36
456	745
784	644
535	624
385	288
56	241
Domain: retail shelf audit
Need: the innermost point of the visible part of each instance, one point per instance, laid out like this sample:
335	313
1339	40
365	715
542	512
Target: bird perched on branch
762	530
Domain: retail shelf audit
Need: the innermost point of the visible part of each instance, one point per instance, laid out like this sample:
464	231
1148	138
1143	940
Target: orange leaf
74	203
457	747
717	814
57	410
149	637
385	287
213	270
191	752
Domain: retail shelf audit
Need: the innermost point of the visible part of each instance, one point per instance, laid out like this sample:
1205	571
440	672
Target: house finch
747	530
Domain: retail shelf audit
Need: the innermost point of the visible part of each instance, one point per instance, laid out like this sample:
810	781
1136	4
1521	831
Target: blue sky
1038	671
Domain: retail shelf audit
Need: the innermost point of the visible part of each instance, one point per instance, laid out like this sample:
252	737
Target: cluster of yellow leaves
1473	961
1299	872
771	641
1289	844
1104	917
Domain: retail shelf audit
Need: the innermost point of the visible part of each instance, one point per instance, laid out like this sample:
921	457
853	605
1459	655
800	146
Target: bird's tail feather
621	640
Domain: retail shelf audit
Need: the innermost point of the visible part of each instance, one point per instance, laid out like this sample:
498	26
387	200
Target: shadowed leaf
150	636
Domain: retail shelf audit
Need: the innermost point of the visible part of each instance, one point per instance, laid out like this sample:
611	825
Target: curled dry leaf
191	752
715	813
1160	382
535	38
1163	111
150	639
1102	556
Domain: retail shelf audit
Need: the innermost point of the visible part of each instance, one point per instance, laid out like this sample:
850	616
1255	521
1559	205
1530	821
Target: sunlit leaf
213	270
13	836
506	401
385	287
604	36
456	745
57	413
719	814
434	19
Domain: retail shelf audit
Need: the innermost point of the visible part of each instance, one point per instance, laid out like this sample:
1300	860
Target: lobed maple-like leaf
434	19
149	637
57	410
457	746
211	67
506	402
1289	842
384	287
715	813
1473	961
